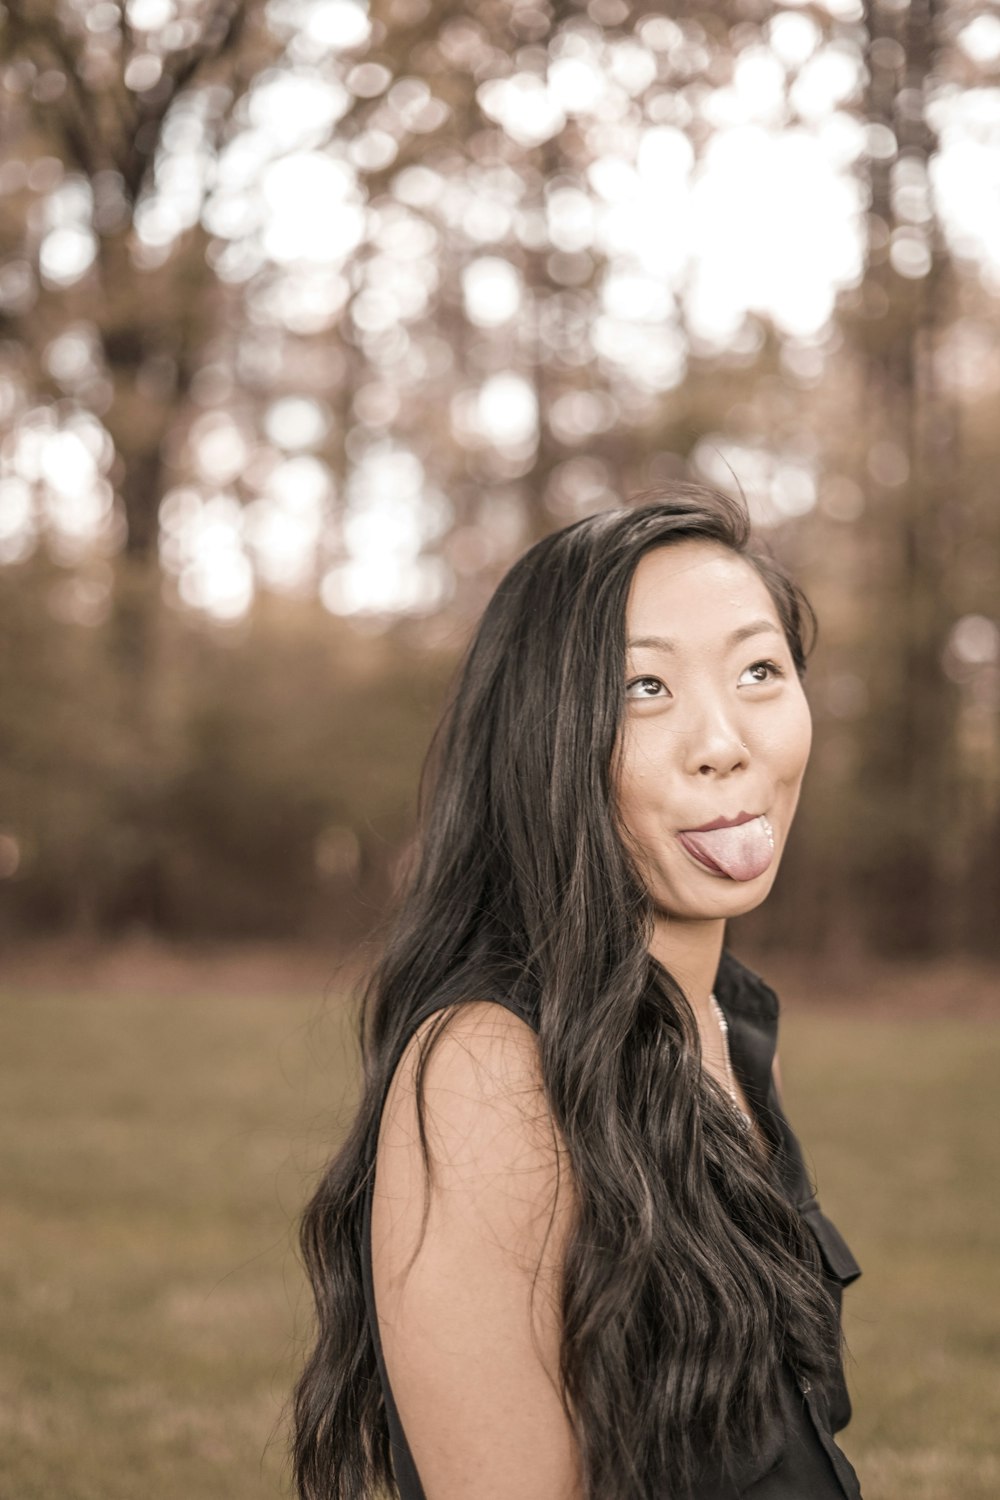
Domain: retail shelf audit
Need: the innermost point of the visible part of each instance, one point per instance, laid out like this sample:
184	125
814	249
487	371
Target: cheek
635	781
790	740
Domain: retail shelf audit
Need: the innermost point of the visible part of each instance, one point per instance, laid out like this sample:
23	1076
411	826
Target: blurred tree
914	845
99	85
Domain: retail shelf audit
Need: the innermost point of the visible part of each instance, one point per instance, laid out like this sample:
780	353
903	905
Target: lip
743	817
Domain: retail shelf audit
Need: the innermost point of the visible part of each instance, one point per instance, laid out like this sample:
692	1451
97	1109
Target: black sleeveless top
800	1459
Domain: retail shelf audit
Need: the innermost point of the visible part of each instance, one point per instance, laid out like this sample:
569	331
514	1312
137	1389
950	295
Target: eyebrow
661	643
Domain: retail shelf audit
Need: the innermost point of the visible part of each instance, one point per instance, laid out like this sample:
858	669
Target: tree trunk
909	771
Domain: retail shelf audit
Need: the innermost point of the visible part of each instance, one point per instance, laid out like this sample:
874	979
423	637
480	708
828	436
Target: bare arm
472	1362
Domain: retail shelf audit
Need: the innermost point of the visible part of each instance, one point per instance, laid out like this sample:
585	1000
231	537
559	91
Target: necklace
730	1076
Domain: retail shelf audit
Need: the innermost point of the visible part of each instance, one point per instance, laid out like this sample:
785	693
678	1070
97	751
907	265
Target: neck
690	951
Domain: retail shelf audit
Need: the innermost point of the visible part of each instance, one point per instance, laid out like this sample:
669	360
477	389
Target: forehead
695	588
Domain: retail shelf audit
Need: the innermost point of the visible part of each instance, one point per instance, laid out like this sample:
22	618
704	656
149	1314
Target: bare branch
221	34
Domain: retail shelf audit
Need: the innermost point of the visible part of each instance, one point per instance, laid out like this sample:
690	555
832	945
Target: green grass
900	1123
155	1154
156	1151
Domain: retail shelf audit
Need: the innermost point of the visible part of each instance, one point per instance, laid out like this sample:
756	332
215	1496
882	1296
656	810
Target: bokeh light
339	202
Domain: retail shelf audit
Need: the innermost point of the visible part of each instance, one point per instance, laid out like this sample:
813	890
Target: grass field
156	1151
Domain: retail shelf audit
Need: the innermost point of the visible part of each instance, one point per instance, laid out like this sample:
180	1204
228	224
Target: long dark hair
689	1277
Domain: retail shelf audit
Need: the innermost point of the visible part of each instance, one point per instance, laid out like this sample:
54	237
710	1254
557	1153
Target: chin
731	898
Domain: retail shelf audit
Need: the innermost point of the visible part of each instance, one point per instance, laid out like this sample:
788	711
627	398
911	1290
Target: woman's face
715	727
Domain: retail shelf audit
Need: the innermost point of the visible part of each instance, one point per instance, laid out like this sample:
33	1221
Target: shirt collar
740	990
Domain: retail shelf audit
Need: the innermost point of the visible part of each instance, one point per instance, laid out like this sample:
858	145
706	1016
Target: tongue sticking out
742	853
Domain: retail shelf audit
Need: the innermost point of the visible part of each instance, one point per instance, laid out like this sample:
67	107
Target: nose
716	746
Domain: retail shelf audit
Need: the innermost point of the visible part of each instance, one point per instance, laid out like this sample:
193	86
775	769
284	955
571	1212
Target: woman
570	1248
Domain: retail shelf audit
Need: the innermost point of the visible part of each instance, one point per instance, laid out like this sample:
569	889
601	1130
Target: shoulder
469	1085
480	1035
479	1042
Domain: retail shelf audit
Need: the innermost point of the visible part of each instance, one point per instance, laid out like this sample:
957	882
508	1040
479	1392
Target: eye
771	666
644	688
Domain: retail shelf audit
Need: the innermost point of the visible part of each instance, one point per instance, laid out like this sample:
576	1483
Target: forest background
313	315
312	318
